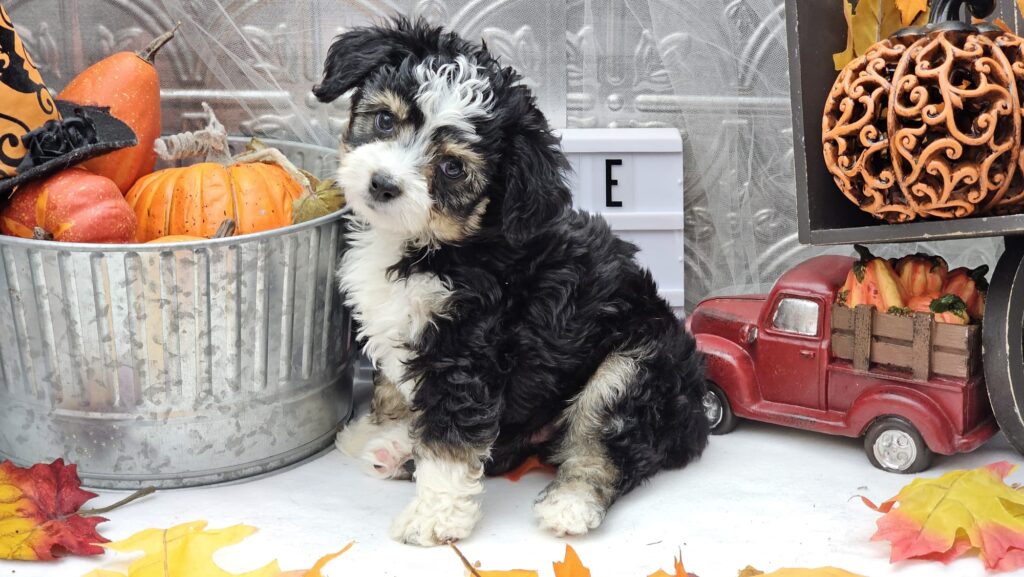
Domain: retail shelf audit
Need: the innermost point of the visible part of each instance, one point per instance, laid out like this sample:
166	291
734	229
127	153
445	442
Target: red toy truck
771	358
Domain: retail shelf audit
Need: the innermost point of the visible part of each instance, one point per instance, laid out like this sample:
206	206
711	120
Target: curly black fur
541	295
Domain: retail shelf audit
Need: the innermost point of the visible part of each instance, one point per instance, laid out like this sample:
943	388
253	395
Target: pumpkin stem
149	53
39	233
978	276
948	303
226	229
211	141
865	254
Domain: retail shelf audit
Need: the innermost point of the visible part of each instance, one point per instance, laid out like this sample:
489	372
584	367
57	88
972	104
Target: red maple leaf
39	513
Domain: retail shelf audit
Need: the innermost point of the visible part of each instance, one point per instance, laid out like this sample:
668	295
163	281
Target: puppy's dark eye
385	121
452	167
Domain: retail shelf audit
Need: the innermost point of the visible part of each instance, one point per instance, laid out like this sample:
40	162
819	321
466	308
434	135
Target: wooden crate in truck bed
913	343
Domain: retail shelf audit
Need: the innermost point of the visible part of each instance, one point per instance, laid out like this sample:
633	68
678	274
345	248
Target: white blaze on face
450	95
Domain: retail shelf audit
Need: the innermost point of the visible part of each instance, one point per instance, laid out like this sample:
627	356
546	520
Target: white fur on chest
391	313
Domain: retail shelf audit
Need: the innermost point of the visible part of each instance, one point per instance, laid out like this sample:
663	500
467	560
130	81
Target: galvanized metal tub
175	365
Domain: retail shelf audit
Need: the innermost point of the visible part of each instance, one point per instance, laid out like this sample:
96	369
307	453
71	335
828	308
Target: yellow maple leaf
943	518
869	22
910	9
571	566
182	551
1020	6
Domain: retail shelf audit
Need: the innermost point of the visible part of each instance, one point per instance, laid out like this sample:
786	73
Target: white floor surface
763	495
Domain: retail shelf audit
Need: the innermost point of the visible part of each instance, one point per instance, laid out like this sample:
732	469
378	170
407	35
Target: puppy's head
443	144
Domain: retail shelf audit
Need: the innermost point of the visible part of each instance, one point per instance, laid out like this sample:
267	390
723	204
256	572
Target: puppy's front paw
384	450
437	520
568	510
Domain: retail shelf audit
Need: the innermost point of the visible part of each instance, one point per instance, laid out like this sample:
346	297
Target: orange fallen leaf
475	572
943	518
571	566
532	463
319	566
1020	6
39	513
680	571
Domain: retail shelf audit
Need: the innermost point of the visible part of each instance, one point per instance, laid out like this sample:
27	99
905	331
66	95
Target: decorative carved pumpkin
921	273
73	205
872	281
927	123
195	200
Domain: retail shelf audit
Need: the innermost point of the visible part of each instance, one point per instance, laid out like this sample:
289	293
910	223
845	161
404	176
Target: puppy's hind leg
587	480
640	412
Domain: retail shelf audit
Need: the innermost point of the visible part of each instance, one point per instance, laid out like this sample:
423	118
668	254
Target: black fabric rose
57	138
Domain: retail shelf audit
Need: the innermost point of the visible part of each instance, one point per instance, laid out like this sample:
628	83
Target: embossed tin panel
717	71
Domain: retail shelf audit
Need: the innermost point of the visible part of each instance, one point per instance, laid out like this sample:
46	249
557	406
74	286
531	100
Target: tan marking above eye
471	161
385	100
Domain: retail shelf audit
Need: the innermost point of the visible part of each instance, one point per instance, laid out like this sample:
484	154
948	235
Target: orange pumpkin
872	281
195	200
73	205
946	308
970	286
128	83
921	274
227	228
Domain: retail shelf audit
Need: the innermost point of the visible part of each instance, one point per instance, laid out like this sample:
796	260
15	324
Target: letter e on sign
609	182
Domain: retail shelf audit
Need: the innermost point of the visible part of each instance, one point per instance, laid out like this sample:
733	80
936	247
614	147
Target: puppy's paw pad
567	512
436	521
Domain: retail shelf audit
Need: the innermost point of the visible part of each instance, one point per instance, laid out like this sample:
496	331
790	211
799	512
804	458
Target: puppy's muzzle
383	187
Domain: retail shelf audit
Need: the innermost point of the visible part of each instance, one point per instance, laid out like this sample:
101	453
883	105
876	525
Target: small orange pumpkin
970	286
921	273
73	205
194	200
227	228
872	281
946	308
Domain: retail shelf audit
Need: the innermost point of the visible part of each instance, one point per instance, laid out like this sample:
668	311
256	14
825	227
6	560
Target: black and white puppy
502	322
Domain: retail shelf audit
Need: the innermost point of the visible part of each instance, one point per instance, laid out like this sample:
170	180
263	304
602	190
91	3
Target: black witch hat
38	135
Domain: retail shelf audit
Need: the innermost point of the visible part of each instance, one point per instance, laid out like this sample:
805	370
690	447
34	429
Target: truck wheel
718	411
894	445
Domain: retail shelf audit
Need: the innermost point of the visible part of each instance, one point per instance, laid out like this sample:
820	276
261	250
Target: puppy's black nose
383	187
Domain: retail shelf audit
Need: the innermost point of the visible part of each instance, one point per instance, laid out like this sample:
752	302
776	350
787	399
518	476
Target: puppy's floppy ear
357	53
536	193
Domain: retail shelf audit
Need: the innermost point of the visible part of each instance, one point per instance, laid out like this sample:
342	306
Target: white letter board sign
633	177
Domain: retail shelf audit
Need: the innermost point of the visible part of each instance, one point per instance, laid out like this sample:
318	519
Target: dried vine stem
212	142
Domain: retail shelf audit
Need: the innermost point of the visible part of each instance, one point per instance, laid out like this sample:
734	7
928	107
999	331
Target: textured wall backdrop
714	69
